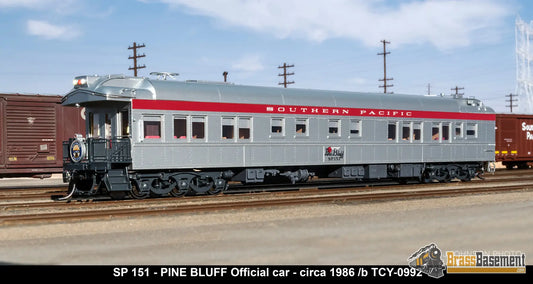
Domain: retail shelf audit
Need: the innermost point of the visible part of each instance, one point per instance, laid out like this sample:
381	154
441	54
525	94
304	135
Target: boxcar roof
123	88
30	97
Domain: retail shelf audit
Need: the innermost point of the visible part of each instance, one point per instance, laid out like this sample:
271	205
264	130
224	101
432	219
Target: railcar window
227	127
446	132
198	127
244	128
334	127
471	130
417	131
355	128
459	130
301	126
180	127
277	126
435	132
152	129
406	131
391	131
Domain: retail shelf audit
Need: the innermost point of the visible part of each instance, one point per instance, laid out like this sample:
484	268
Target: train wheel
136	193
464	175
205	184
427	176
214	190
161	188
523	165
180	187
443	175
202	184
86	185
218	186
177	192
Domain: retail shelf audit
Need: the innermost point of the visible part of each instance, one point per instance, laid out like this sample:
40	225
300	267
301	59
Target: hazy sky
332	43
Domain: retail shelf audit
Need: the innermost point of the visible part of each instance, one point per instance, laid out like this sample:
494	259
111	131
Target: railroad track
30	194
41	195
23	213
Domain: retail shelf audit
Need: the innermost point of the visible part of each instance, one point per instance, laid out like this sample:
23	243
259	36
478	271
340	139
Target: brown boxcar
514	140
32	130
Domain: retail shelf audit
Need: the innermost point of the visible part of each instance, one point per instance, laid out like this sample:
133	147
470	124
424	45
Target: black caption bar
274	272
117	273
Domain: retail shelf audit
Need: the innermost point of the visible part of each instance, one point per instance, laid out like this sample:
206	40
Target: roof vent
164	75
208	82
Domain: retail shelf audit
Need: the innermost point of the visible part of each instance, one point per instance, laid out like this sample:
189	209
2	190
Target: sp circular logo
77	151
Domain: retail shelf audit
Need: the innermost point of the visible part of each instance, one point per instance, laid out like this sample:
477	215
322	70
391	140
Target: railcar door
124	122
108	123
509	138
100	125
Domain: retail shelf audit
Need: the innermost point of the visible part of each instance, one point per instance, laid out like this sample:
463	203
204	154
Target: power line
285	74
225	74
457	94
385	79
510	100
135	56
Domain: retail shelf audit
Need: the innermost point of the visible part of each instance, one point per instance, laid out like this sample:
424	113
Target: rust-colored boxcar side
32	130
514	140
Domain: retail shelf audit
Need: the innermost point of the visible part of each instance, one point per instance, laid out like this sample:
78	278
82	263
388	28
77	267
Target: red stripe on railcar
303	110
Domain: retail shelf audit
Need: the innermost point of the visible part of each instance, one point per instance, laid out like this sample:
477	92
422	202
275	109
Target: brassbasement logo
483	262
427	260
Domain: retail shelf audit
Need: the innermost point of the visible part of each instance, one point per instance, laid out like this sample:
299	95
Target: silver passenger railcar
158	137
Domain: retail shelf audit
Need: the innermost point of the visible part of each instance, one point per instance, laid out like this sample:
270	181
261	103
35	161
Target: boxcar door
2	134
30	134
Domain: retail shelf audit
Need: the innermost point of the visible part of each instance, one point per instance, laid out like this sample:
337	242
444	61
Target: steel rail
269	201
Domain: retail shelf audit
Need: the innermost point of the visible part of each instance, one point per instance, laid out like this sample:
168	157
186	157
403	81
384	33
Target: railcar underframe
108	169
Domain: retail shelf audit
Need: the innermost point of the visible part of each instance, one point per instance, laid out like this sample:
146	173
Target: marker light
80	82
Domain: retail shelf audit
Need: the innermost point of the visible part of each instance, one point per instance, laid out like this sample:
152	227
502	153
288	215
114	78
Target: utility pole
385	79
225	74
285	74
135	56
457	94
511	100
